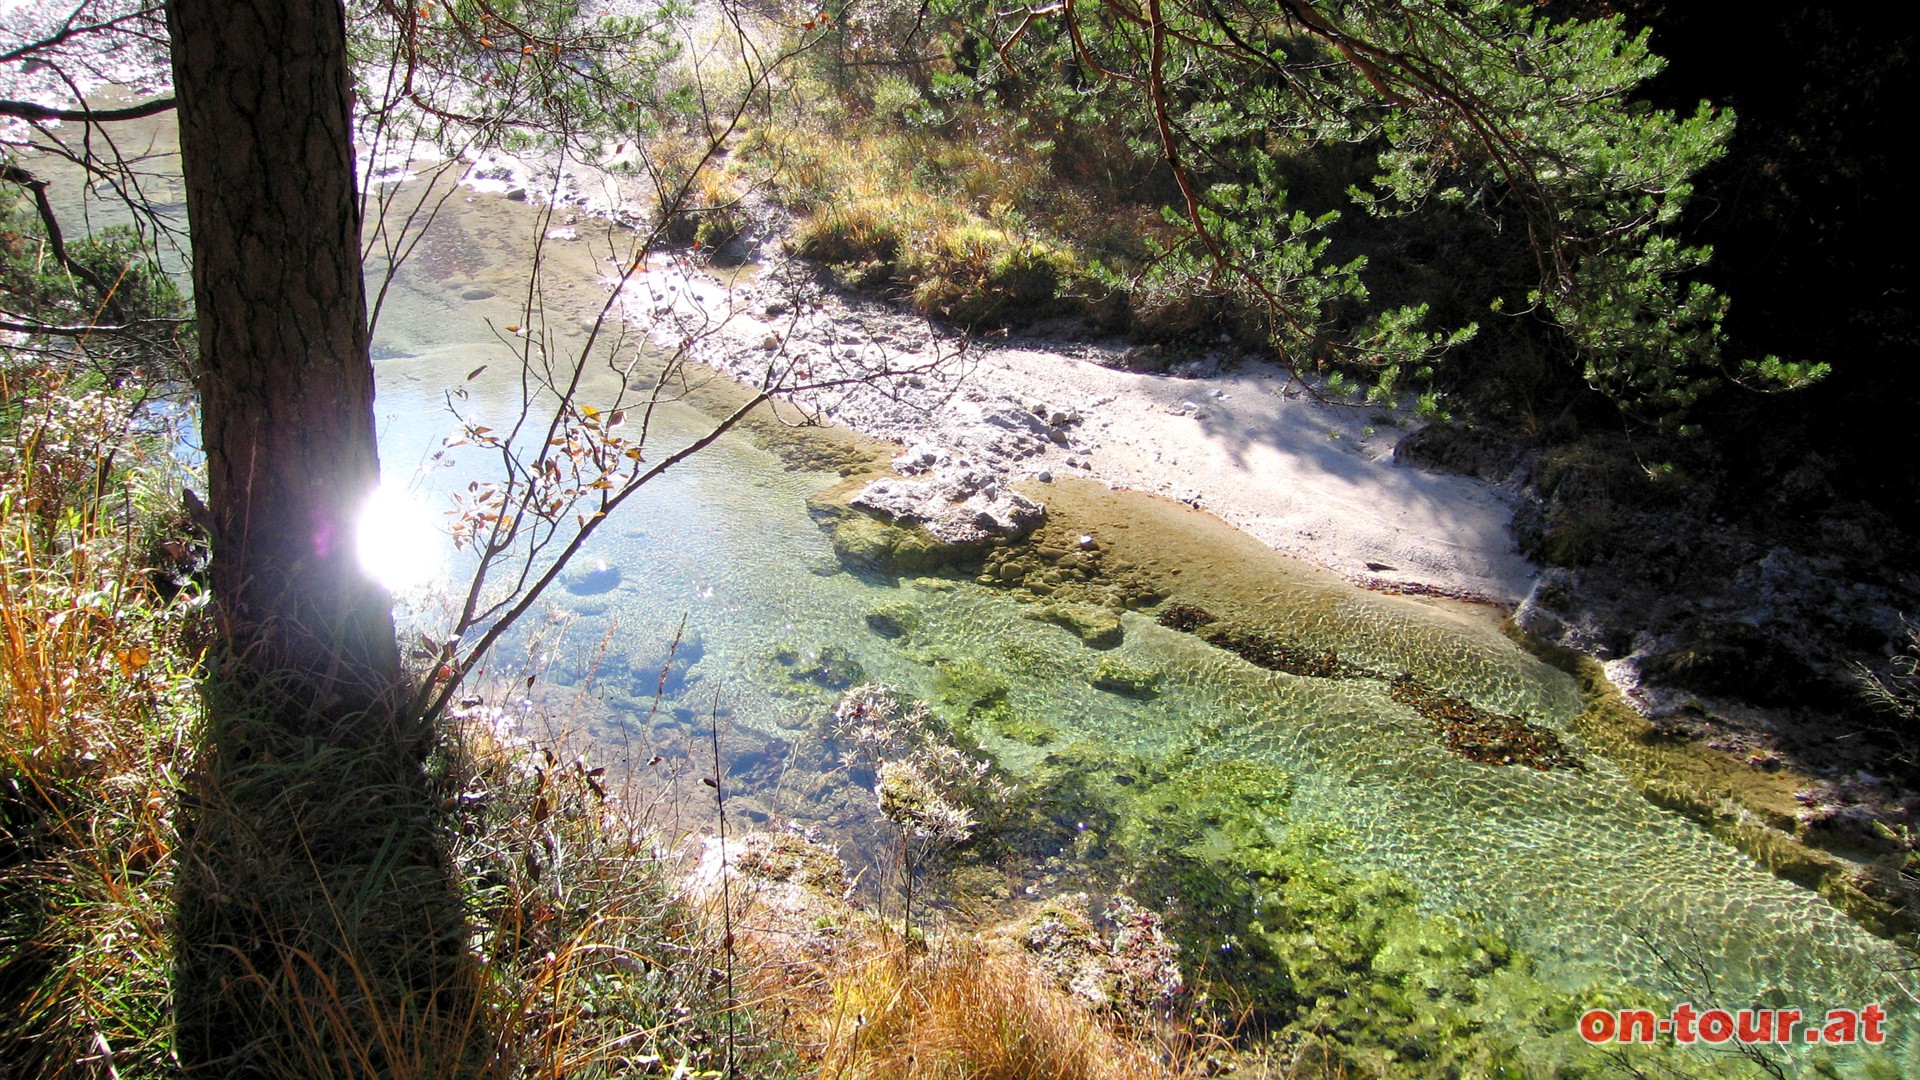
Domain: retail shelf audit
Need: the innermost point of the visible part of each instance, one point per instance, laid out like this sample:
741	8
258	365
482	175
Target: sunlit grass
958	1009
97	715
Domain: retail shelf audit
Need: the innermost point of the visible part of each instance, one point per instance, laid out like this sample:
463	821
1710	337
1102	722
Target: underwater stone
1127	680
1096	626
895	620
593	580
832	668
871	544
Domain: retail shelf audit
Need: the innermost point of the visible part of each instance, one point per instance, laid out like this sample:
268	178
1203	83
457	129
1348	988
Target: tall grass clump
946	226
962	1011
97	723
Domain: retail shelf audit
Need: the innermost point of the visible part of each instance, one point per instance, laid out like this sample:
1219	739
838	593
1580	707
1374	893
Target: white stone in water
1086	541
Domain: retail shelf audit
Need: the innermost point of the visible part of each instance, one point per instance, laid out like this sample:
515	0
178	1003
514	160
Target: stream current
1574	866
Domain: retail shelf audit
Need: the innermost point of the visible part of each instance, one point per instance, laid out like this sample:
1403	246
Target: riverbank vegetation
1284	180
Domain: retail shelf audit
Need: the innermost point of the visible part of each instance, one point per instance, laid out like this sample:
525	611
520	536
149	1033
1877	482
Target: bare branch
27	110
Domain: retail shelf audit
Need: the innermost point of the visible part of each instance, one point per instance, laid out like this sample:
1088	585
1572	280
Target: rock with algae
1127	680
1097	626
1125	963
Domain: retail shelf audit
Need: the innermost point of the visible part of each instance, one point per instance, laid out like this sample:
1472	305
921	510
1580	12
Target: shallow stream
1571	865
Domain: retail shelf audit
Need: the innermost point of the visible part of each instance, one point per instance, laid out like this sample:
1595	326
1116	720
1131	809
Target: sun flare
399	541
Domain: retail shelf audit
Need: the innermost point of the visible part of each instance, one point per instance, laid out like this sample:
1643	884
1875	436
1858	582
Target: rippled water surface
1574	865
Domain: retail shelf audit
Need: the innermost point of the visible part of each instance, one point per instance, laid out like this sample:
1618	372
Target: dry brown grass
957	1011
96	712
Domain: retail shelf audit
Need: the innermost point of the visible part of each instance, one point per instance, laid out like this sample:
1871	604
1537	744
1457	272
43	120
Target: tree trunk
319	931
286	385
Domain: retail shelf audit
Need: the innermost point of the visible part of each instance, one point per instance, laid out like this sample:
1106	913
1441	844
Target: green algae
974	697
1275	930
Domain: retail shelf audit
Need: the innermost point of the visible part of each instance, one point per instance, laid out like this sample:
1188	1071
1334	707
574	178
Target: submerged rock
593	580
831	668
1127	680
871	544
1096	626
896	620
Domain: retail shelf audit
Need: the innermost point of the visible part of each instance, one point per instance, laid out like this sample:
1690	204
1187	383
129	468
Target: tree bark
285	381
318	927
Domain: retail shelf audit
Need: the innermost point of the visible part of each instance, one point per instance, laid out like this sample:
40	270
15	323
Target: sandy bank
1227	433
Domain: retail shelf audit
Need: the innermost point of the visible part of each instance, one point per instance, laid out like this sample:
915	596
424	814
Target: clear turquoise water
1573	866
